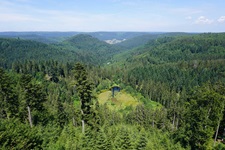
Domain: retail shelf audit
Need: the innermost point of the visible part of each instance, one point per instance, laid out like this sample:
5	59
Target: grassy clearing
120	101
104	97
123	100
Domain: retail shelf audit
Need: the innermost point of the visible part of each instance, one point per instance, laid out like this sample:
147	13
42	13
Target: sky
113	15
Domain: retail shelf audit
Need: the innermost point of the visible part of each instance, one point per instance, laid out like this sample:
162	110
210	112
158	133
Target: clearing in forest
120	101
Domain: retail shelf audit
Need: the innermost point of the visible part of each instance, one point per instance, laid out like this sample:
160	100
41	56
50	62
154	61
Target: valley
56	90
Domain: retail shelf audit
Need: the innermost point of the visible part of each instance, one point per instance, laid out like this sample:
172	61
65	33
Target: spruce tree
205	110
102	143
84	90
142	142
8	97
32	98
61	115
88	140
123	141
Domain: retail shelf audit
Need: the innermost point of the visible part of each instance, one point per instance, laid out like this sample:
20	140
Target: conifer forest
75	91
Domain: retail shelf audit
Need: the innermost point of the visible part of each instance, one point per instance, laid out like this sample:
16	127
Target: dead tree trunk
177	123
174	118
29	116
74	122
83	128
217	130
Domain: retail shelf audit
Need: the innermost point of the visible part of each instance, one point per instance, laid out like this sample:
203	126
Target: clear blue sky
113	15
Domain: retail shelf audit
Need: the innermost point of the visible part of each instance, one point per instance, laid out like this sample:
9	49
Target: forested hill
55	37
98	51
12	50
82	48
178	48
167	93
45	37
182	73
84	42
174	62
143	39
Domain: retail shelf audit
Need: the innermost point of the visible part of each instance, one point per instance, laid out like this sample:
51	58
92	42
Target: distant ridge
54	37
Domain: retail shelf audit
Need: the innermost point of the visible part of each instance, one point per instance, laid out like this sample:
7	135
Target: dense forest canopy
56	91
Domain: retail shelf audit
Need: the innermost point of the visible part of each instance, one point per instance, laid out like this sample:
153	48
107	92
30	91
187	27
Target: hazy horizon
105	32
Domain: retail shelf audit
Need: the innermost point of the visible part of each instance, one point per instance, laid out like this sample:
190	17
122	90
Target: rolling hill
177	48
176	72
98	51
45	37
12	50
56	37
143	39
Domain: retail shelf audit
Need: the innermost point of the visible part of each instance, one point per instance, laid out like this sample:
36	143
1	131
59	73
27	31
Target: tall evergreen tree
32	99
62	118
102	143
205	110
142	142
84	90
123	141
8	97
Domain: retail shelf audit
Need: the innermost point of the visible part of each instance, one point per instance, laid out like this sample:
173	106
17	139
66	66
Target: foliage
16	135
205	110
183	75
8	98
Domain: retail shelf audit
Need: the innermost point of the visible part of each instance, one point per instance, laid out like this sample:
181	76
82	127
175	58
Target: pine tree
8	97
122	141
88	140
202	117
61	115
100	141
17	135
84	90
32	98
142	142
